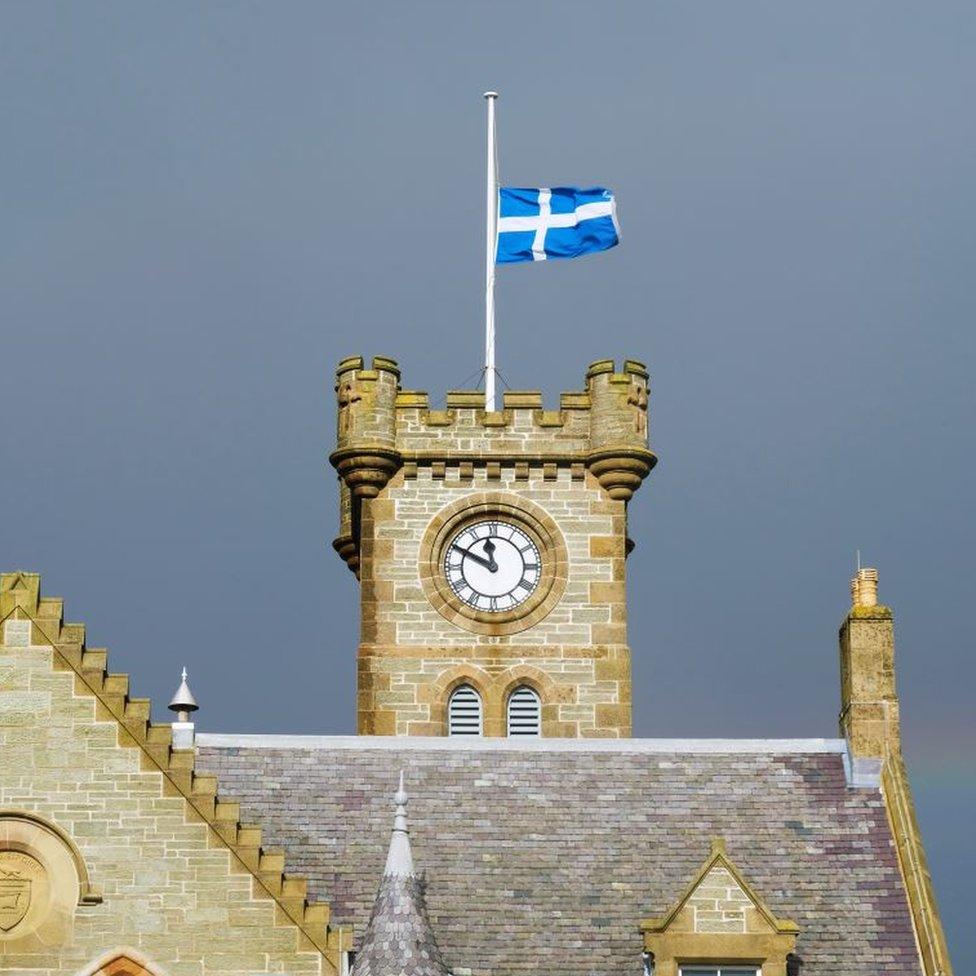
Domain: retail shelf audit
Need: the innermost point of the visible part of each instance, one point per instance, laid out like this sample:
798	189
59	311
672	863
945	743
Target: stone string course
547	861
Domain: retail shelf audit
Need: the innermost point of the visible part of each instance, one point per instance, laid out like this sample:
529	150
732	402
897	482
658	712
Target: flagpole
491	236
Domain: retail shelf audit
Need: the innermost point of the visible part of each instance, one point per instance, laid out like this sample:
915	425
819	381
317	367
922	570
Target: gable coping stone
177	766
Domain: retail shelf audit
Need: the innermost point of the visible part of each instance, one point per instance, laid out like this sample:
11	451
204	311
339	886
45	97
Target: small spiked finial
399	861
183	701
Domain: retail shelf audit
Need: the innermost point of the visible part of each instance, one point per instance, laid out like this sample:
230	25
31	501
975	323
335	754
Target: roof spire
399	861
399	938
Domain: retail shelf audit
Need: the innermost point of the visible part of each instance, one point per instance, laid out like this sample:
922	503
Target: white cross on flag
554	222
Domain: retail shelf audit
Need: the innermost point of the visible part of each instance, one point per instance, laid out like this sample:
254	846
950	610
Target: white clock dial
492	566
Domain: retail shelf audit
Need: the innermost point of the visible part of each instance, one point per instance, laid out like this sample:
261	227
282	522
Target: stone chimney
869	703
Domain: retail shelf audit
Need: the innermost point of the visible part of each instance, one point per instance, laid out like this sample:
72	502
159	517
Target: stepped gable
20	599
550	855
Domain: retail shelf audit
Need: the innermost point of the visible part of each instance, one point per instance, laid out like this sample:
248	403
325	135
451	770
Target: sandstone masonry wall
167	888
577	656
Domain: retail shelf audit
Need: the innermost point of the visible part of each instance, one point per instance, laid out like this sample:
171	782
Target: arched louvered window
464	712
524	712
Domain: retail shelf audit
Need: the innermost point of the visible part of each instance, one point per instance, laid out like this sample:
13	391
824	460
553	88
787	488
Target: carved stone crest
18	874
638	399
348	395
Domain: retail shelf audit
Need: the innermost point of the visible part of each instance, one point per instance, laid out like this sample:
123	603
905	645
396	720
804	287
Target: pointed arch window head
465	712
122	962
524	712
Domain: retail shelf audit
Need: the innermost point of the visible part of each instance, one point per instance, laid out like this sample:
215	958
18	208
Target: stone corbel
620	470
365	470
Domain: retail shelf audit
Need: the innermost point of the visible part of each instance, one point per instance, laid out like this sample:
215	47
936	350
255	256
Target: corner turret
618	455
365	455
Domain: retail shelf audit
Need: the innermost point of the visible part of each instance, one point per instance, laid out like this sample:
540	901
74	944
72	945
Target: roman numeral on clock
492	565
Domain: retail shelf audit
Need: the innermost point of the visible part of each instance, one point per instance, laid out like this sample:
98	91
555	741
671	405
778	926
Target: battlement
373	409
381	428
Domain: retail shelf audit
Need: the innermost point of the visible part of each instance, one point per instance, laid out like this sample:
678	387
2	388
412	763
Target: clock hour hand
490	565
490	550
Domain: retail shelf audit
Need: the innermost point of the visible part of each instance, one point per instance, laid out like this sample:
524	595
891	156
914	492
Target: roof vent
184	704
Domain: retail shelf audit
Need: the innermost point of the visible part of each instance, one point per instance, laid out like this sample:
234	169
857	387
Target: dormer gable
719	919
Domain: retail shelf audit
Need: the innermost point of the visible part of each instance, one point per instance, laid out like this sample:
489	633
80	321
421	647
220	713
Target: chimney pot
864	588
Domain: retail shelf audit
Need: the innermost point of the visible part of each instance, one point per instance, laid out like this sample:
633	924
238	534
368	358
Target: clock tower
490	548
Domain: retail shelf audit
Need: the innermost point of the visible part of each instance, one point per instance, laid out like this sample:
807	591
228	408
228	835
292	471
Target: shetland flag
554	222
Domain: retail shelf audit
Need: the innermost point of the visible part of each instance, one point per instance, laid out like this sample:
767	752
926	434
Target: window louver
464	712
524	712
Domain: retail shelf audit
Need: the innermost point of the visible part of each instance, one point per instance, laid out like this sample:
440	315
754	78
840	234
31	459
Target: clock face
492	566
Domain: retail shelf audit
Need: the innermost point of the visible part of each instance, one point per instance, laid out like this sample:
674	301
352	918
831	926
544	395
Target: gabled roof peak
718	858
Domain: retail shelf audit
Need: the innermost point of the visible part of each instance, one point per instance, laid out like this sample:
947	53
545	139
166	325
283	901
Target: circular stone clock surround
498	506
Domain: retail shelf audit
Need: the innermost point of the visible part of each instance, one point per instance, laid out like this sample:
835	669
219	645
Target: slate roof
545	856
398	940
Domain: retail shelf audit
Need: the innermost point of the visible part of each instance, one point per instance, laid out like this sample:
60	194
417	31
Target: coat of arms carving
17	875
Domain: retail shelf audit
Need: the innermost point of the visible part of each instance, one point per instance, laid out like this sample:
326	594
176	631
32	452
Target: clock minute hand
489	565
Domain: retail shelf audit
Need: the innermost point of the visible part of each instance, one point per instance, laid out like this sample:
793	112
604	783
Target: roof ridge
274	740
177	766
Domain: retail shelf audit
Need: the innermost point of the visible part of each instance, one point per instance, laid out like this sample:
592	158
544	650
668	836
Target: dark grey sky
203	207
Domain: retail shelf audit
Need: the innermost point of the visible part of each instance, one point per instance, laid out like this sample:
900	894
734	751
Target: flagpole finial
491	94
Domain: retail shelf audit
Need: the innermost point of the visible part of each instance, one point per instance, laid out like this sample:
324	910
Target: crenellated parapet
463	429
382	428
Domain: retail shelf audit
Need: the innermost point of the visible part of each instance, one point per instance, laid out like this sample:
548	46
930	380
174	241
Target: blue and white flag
554	222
